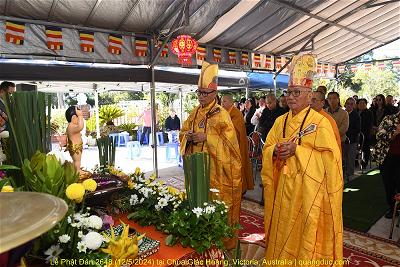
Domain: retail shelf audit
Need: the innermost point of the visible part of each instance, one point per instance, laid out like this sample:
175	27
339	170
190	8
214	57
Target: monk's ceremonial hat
302	71
208	76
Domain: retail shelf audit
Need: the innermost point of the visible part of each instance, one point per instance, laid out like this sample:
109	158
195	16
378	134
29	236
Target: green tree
376	81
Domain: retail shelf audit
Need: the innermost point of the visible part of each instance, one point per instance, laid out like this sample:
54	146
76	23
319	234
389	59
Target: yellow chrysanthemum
137	171
7	188
89	185
161	182
131	185
79	200
75	191
147	182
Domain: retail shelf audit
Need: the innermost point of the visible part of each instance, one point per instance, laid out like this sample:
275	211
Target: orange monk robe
334	127
223	148
247	172
303	201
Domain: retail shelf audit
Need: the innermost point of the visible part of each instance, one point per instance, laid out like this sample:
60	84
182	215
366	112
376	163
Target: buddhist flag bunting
201	52
367	66
268	62
217	54
326	68
141	46
354	68
164	51
319	68
341	69
333	69
15	32
115	44
54	38
87	41
396	64
245	58
232	56
381	65
286	59
257	60
278	63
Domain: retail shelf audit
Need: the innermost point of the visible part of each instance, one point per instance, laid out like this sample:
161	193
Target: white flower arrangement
81	246
53	252
4	134
64	238
83	235
93	240
198	211
134	200
214	190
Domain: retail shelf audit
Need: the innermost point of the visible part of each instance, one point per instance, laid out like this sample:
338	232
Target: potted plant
59	126
130	128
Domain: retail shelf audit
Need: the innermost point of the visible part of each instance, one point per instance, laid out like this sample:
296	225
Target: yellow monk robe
303	208
223	148
334	127
240	128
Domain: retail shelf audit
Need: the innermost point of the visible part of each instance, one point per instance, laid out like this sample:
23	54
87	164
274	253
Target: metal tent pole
153	121
97	110
181	105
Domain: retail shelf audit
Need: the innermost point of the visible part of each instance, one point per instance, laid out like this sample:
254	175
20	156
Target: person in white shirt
256	117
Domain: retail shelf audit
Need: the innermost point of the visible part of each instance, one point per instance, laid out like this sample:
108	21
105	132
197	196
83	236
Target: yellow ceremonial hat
302	71
208	76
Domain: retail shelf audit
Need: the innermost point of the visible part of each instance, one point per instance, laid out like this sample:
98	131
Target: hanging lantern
184	46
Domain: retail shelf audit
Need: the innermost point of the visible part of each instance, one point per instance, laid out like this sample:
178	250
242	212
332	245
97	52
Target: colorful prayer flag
15	32
115	44
232	56
319	68
326	68
164	51
396	64
257	60
381	65
87	41
141	47
354	68
217	54
278	63
341	69
268	62
245	58
367	66
54	38
201	52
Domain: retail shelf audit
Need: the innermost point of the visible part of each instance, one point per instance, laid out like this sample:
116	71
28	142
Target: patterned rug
362	250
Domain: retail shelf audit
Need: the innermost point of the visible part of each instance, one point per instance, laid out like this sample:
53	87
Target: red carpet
253	232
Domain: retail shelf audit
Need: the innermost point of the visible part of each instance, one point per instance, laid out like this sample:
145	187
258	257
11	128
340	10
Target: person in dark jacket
353	132
379	111
269	115
6	88
248	112
366	129
172	125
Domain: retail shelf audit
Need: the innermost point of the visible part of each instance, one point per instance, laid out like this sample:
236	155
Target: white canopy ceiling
339	29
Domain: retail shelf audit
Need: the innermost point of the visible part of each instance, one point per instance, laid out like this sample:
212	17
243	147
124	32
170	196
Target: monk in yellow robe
209	129
303	181
240	128
317	103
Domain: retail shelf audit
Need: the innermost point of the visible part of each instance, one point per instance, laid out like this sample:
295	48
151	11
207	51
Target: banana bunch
122	248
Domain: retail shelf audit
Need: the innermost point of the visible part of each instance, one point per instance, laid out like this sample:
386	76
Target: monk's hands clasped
285	150
196	137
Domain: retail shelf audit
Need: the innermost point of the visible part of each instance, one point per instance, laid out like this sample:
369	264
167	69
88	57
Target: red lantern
184	46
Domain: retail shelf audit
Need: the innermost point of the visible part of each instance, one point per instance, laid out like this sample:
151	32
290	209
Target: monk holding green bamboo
209	129
303	179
